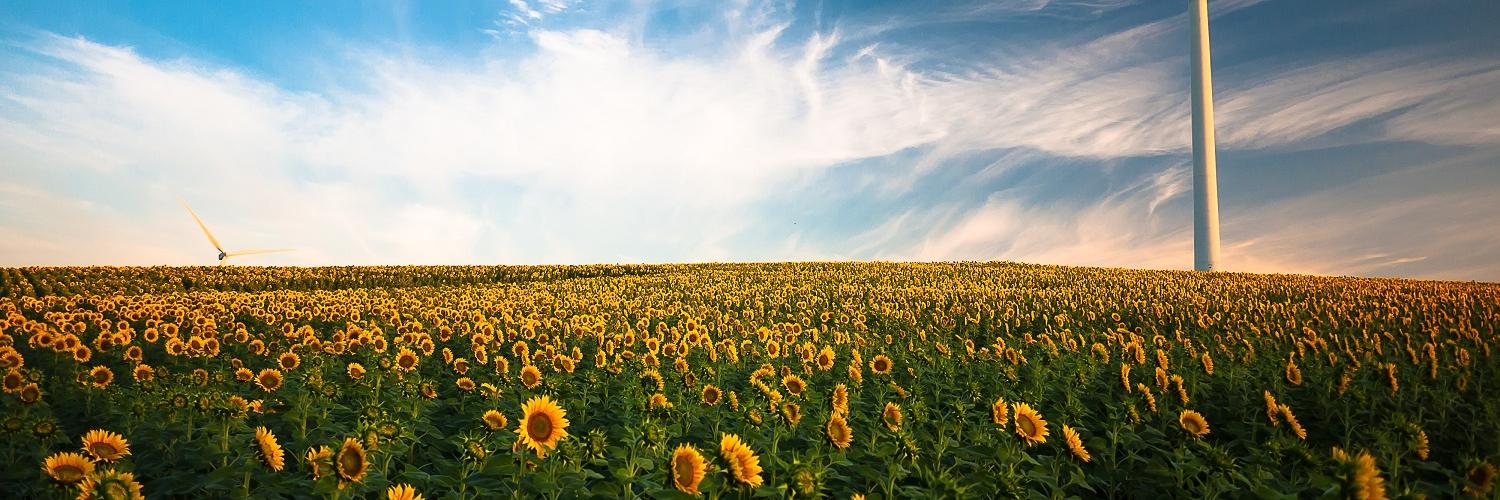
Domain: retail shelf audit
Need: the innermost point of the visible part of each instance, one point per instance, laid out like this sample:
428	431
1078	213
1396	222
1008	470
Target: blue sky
1356	137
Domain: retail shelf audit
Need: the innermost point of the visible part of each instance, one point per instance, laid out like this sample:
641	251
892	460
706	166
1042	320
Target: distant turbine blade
204	227
258	251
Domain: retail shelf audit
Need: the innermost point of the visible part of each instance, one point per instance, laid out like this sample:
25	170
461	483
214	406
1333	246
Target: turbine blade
204	227
238	253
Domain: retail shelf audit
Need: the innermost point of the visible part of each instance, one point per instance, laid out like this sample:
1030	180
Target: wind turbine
223	254
1205	170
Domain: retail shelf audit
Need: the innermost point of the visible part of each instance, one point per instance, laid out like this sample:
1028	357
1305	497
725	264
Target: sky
1355	137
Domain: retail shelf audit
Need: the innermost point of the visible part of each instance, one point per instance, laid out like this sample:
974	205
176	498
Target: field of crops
833	380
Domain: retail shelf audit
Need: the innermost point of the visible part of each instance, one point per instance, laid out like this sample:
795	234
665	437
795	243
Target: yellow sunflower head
1030	425
1193	422
1000	413
891	416
543	424
402	492
110	484
531	376
68	467
794	385
688	469
494	420
711	395
270	450
880	364
318	460
351	461
269	379
1075	443
744	466
105	445
839	432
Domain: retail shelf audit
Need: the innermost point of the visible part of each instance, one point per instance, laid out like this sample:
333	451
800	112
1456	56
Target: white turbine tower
224	255
1205	173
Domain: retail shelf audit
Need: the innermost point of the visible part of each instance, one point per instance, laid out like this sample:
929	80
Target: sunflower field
836	380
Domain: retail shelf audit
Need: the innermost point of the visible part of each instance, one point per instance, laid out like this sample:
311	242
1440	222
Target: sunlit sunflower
14	380
356	371
792	413
711	395
840	400
318	460
31	393
543	424
268	379
289	361
109	484
531	376
1030	425
1075	443
881	365
105	445
494	420
1193	422
1000	413
1291	421
891	416
744	466
465	384
1364	478
825	359
688	469
101	376
68	467
659	401
402	492
839	432
794	385
142	373
407	360
351	461
270	450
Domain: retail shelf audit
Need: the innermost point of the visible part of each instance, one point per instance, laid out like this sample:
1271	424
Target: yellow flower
711	395
1030	425
840	400
839	432
542	425
794	385
1193	422
1075	443
688	469
402	492
891	416
1365	481
270	450
356	371
659	401
494	420
105	445
269	379
880	365
1000	413
68	467
351	461
110	484
531	376
317	459
743	464
407	360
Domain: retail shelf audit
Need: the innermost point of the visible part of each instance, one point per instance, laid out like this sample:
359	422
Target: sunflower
268	379
428	391
494	420
110	484
1481	479
465	384
880	365
825	359
1000	413
1193	422
356	371
1365	480
105	445
659	401
1291	421
31	393
1272	412
142	373
407	360
891	415
792	413
840	400
687	469
839	432
351	461
531	376
317	460
711	395
794	385
68	467
101	376
14	379
1125	376
270	450
1419	443
402	492
1030	425
542	425
289	361
1075	443
744	466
